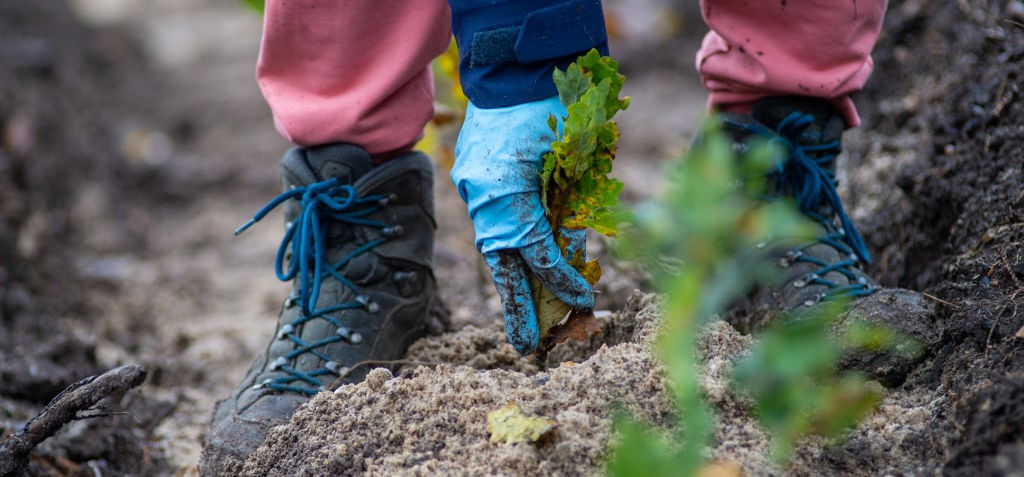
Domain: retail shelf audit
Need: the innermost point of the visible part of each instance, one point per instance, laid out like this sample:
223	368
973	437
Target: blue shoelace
321	204
804	172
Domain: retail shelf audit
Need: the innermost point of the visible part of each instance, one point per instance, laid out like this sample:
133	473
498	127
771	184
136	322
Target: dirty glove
498	160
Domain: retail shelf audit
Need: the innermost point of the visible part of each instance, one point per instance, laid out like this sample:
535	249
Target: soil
135	141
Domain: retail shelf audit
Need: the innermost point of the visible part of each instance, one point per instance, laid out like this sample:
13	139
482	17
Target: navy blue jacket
509	48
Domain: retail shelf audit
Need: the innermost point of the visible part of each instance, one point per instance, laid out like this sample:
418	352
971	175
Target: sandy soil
152	106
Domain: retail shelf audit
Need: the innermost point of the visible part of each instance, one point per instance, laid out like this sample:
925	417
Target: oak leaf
510	425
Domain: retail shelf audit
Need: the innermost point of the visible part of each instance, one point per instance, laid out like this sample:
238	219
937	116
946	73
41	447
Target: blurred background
135	140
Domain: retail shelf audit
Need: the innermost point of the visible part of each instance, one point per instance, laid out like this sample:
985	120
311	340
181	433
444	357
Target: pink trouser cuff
356	71
818	48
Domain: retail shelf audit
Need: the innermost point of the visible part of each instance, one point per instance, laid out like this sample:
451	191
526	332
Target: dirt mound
433	421
430	421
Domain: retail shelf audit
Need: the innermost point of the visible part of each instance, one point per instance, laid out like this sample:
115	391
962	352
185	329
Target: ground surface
134	141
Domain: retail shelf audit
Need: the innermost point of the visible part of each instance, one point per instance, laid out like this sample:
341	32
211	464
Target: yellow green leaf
510	425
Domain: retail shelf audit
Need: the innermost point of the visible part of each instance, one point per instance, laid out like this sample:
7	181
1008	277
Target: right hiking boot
358	249
831	266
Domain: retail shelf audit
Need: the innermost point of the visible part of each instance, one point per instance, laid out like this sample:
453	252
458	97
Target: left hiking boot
831	266
358	247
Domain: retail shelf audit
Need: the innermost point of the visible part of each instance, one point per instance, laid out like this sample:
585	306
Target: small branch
63	409
105	414
940	300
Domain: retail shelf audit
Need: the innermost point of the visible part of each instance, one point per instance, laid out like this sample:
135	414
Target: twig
1014	22
63	409
105	414
940	300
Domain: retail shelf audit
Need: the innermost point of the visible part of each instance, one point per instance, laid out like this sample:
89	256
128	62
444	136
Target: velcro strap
494	47
549	33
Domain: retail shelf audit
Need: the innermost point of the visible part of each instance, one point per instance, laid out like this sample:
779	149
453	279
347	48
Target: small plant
707	218
576	189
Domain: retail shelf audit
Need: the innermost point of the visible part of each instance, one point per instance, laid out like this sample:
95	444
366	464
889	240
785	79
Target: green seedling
693	238
576	188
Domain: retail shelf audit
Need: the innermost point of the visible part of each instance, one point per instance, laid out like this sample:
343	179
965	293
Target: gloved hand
498	159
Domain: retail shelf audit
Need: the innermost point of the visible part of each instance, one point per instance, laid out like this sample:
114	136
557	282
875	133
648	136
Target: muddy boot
358	248
829	267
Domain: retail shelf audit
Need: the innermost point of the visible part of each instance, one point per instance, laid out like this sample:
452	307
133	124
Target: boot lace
321	204
803	170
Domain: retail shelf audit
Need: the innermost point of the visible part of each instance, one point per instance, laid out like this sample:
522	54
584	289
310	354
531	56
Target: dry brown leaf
580	326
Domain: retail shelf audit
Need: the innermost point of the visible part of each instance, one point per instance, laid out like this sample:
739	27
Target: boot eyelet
393	231
291	301
262	384
285	331
804	280
351	336
790	257
410	278
389	199
370	305
814	300
336	368
278	363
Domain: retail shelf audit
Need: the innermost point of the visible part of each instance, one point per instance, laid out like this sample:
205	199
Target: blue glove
498	160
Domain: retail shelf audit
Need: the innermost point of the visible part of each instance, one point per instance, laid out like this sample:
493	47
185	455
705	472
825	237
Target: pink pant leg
356	71
758	48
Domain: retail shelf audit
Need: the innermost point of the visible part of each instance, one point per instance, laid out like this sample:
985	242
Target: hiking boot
832	266
358	248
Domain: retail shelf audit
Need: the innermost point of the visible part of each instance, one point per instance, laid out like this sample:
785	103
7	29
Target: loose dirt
135	140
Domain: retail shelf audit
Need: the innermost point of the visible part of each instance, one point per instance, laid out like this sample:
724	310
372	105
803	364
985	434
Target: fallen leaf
580	326
510	425
550	310
577	189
